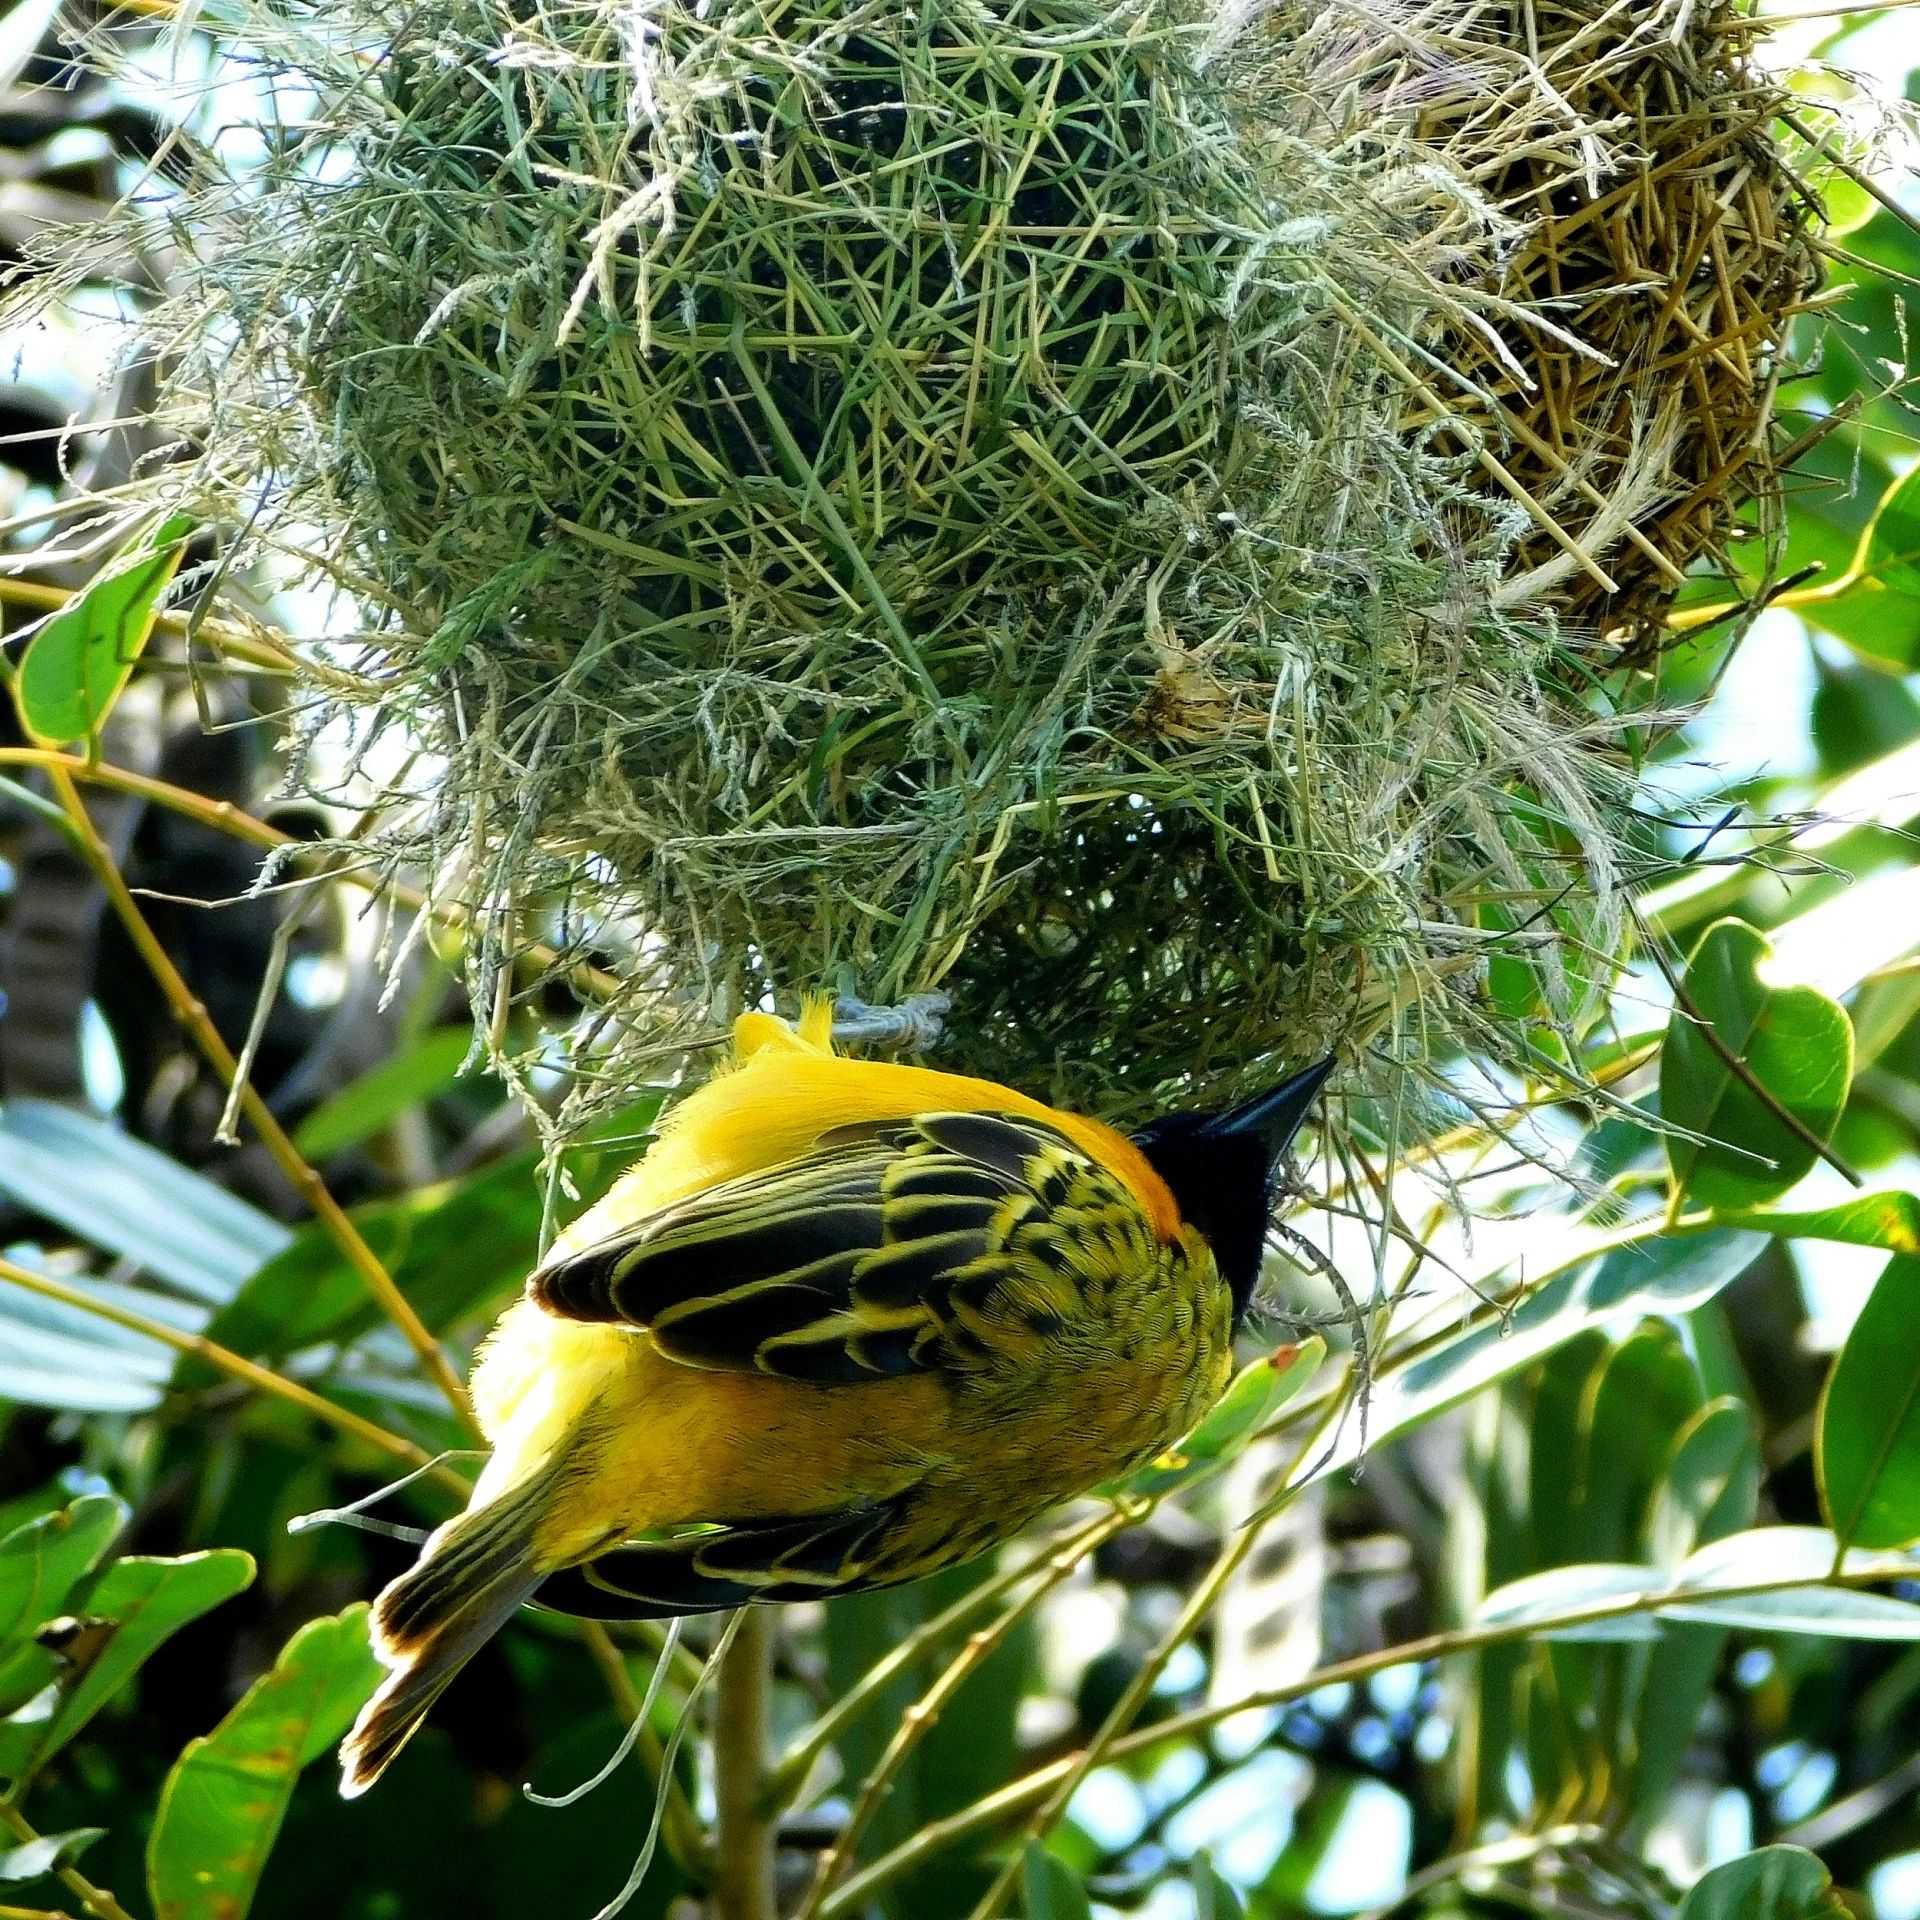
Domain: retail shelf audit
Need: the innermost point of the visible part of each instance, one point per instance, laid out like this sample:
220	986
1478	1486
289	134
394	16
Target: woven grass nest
1127	516
1661	243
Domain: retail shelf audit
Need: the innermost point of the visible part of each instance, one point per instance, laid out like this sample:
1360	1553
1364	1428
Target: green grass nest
906	498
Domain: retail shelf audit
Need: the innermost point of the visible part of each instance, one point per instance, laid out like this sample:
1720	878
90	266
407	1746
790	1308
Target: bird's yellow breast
660	1444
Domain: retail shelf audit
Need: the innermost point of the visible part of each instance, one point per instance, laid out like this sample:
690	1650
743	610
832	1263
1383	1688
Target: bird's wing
805	1559
894	1247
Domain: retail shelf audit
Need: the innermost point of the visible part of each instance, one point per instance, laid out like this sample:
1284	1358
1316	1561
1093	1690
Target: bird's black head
1221	1169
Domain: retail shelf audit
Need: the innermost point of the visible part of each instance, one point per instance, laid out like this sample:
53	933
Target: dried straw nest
1093	507
1624	372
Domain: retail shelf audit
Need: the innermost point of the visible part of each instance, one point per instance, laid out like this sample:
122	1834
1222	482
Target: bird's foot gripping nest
914	1026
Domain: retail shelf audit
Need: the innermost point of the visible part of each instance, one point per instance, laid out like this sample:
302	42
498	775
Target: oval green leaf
222	1805
1709	1486
1890	1220
84	655
1890	553
1548	1596
1797	1044
40	1562
1666	1274
1867	1444
1832	1613
1052	1888
1257	1391
1776	1883
146	1602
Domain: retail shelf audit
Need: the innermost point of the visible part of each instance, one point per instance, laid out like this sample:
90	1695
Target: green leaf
1834	1613
1867	1443
1771	1554
1561	1590
146	1601
40	1562
222	1805
1795	1041
1776	1883
423	1070
113	1191
1053	1889
22	1731
47	1854
1257	1392
56	1355
83	656
1890	553
1559	1396
1663	1275
1890	1220
1709	1486
1646	1394
1213	1898
451	1247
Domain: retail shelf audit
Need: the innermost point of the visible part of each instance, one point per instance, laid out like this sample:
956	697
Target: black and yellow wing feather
969	1242
945	1241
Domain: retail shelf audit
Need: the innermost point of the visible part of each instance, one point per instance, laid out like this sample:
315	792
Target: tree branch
743	1840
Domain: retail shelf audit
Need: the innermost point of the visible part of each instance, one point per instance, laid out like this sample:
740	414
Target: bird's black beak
1221	1169
1271	1118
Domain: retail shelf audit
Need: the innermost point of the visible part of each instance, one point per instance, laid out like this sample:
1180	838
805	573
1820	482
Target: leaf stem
192	1015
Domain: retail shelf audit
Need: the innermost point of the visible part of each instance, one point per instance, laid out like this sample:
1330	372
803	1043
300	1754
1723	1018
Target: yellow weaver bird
854	1321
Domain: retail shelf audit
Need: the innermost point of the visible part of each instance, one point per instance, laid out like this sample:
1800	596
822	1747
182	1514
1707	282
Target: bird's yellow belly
643	1442
648	1442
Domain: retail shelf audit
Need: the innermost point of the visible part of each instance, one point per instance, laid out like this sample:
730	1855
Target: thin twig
1199	1604
919	1717
996	1809
192	1015
97	1900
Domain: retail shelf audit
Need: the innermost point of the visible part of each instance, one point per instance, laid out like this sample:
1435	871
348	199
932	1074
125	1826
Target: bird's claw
912	1027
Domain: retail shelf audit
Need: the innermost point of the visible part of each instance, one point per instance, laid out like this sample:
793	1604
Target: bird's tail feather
467	1584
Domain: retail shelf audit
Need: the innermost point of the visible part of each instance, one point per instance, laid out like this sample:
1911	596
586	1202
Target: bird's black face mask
1221	1169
